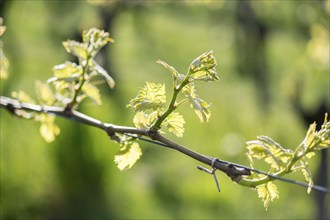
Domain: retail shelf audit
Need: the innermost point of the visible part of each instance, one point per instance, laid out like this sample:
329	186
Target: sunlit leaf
140	120
92	92
67	70
99	70
144	120
318	140
44	93
75	48
95	39
269	150
325	143
256	149
4	65
2	27
310	155
151	96
203	68
48	129
23	97
267	192
200	106
128	155
176	75
174	123
64	91
308	177
310	136
306	173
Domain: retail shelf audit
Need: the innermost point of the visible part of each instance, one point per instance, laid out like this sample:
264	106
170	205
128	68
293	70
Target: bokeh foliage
75	177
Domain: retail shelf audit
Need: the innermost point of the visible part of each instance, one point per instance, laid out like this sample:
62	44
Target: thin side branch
234	171
13	105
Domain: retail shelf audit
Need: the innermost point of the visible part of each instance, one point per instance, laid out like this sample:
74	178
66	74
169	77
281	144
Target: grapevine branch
234	171
73	82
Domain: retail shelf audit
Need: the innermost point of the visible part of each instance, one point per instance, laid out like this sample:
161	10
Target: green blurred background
273	61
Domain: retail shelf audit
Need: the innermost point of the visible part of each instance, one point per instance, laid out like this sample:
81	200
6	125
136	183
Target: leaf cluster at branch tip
150	102
72	82
283	161
151	99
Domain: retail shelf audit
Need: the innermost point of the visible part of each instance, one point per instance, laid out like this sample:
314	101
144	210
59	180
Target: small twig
235	171
212	172
111	129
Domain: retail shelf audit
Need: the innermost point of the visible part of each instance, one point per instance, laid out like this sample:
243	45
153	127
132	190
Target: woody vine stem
74	82
112	130
235	171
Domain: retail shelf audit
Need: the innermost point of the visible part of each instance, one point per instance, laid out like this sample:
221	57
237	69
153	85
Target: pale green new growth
267	192
44	93
4	63
48	129
174	123
22	96
284	161
151	97
128	155
272	153
92	92
75	48
176	75
2	27
150	102
203	67
73	82
67	70
201	108
144	120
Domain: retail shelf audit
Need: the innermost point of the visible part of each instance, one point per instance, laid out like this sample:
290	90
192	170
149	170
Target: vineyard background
273	60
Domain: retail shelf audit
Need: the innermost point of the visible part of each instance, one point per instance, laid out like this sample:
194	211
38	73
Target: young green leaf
267	192
151	96
2	27
99	70
23	97
92	92
176	75
308	177
269	150
317	140
200	106
44	93
4	65
67	70
306	172
203	68
174	123
256	149
95	39
75	48
144	120
64	90
128	155
48	129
